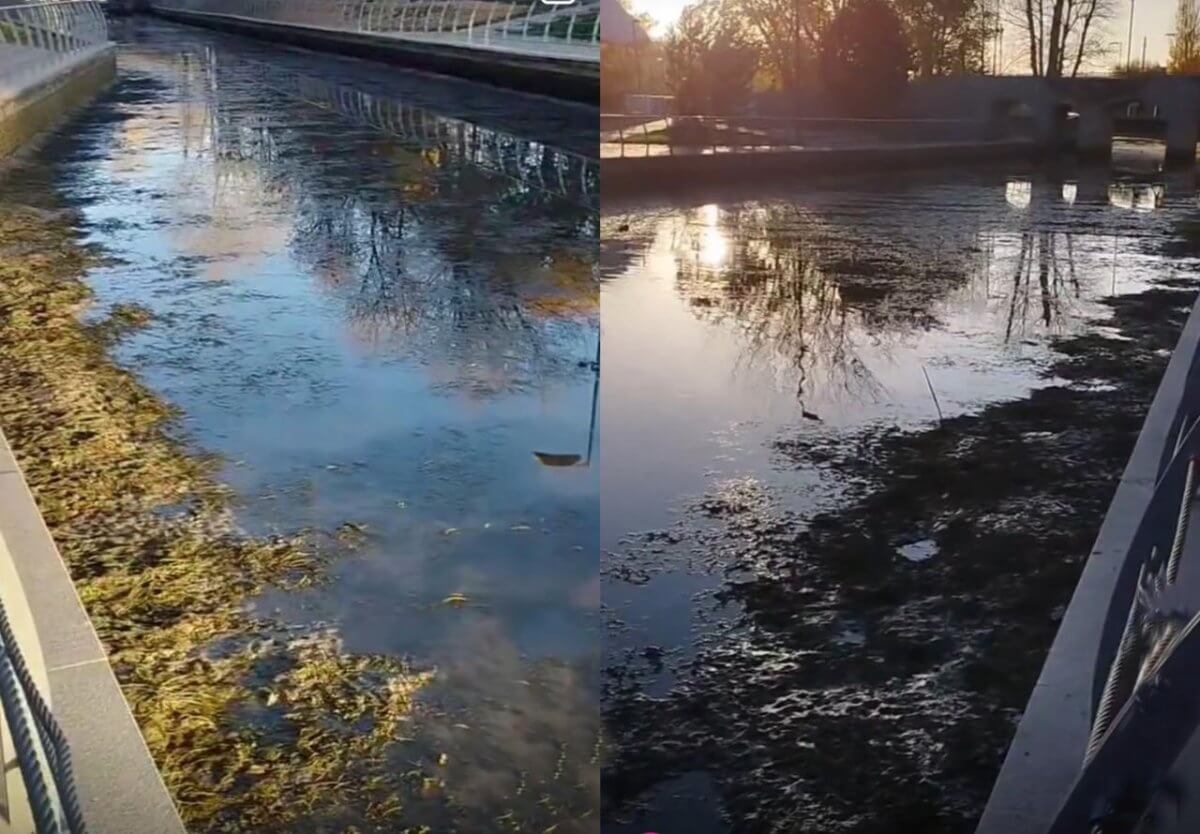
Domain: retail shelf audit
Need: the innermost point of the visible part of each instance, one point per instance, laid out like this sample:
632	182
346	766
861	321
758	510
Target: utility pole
1143	53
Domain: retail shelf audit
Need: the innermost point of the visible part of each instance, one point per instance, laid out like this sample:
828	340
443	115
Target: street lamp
558	459
1129	42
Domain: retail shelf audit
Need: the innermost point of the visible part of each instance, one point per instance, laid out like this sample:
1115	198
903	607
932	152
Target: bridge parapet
1095	105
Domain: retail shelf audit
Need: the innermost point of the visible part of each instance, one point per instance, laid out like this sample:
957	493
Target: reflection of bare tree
1057	283
440	236
768	279
814	292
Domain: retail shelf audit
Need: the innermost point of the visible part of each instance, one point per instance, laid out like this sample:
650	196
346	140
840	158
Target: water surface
758	344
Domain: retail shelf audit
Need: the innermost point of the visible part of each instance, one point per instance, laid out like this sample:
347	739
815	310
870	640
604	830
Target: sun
664	12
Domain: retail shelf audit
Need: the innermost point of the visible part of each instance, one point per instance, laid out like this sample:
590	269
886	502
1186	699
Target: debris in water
920	551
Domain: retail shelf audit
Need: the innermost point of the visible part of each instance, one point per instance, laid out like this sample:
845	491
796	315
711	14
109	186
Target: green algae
169	593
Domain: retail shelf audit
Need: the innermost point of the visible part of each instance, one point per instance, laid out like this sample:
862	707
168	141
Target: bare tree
710	67
1185	49
948	36
1062	36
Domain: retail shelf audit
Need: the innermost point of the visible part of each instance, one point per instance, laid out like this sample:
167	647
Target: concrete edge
631	176
120	789
1046	754
569	80
43	103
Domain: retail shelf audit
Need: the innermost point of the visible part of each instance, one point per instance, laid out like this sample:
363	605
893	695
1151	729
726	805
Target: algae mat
256	726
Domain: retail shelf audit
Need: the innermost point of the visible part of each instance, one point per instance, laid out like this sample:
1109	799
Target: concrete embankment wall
41	101
621	176
576	80
120	790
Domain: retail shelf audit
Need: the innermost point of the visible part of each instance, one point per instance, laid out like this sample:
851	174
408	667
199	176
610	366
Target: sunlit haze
1153	19
664	12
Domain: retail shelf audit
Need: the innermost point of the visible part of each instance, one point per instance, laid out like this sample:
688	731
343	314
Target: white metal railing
34	37
555	30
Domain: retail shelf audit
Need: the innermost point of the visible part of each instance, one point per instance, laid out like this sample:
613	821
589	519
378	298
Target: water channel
859	437
369	296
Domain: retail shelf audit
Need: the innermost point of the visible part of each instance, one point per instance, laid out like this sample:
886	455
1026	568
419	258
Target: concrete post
1092	186
1183	131
1095	133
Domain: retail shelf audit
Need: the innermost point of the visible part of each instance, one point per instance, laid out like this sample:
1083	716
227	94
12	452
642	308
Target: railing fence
36	37
530	26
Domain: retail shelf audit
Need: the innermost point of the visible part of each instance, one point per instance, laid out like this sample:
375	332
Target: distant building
618	26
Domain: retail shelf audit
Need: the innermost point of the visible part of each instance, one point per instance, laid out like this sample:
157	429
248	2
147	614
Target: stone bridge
1084	111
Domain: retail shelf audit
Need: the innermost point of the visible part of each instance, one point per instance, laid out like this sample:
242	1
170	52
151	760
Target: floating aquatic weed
164	589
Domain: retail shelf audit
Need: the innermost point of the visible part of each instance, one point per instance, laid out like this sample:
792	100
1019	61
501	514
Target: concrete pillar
1091	187
1044	124
1095	135
1181	184
1183	131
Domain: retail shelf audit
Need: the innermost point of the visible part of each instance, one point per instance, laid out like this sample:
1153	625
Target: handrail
533	26
1149	707
44	760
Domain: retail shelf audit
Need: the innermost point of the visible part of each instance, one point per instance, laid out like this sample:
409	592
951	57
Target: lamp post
558	459
1129	41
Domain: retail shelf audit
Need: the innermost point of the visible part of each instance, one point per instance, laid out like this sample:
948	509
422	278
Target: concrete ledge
1046	754
44	102
681	171
120	789
577	80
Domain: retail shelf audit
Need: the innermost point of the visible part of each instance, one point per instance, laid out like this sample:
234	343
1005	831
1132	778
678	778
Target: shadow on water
372	294
885	421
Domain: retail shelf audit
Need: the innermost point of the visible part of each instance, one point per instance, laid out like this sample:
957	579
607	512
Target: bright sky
1152	19
664	11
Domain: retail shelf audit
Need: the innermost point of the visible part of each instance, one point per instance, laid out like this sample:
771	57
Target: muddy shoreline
885	648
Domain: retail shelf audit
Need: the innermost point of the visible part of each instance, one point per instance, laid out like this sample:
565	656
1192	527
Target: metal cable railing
42	753
1148	707
35	37
532	27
